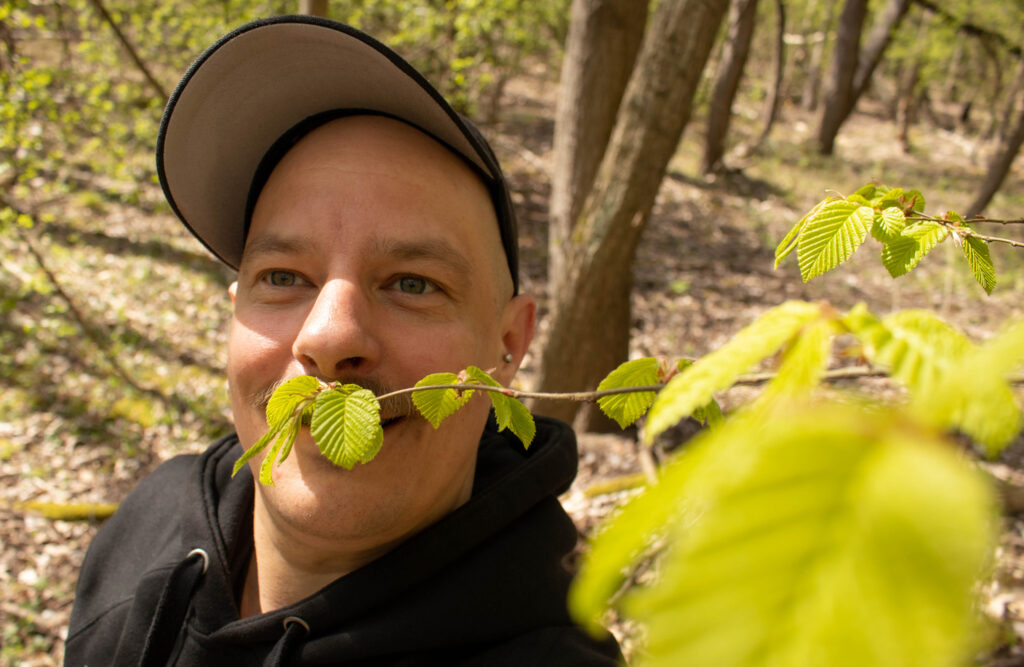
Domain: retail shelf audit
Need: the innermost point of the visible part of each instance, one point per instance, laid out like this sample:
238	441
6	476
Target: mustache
391	408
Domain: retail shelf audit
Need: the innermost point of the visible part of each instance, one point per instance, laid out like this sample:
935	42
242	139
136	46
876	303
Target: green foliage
833	230
695	386
626	408
508	411
831	236
801	537
436	405
289	407
979	258
974	395
344	419
346	425
903	252
467	48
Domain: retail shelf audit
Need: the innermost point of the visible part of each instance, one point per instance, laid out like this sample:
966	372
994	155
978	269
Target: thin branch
850	373
132	53
995	239
98	338
519	393
973	220
967	232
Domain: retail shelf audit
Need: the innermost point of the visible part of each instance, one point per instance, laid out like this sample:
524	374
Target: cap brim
257	82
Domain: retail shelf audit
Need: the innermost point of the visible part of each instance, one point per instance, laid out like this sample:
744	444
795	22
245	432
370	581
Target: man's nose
337	336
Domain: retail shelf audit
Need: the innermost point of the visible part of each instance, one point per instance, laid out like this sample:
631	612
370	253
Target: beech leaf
627	408
694	387
509	412
831	236
436	405
905	251
802	540
980	260
346	425
290	395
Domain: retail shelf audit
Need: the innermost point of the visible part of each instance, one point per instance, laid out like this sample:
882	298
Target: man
375	243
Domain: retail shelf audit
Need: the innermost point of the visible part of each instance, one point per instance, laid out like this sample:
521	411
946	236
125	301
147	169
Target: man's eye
414	285
282	278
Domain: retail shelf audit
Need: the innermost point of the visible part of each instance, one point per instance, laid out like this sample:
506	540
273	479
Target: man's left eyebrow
432	249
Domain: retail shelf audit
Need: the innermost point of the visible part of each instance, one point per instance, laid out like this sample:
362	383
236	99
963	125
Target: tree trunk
730	70
601	47
314	8
846	86
589	320
812	84
839	91
775	101
905	107
999	166
877	41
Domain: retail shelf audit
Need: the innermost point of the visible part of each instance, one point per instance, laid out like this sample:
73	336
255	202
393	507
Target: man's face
373	257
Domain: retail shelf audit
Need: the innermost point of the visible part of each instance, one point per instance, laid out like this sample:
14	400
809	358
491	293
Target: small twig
993	239
97	337
519	393
132	53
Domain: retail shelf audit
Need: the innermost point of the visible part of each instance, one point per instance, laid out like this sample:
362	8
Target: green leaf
868	191
974	395
789	243
916	346
802	540
509	412
888	224
286	398
346	425
520	421
436	405
627	408
279	451
903	253
710	414
832	236
804	362
913	200
980	260
258	446
695	386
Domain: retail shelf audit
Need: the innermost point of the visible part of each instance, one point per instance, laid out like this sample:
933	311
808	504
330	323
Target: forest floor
82	420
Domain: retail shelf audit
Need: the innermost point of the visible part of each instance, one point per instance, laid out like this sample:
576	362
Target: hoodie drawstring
172	607
294	630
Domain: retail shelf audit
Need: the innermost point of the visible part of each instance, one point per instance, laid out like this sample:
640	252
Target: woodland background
113	319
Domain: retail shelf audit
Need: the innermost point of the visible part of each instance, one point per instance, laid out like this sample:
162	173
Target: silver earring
507	358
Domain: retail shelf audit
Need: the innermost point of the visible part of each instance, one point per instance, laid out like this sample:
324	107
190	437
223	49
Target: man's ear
517	322
233	290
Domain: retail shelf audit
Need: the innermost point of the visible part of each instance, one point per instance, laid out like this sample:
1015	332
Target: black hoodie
485	585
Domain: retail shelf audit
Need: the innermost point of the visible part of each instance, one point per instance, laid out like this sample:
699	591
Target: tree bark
601	47
905	110
840	80
314	8
999	166
812	84
775	101
730	71
877	41
847	86
589	322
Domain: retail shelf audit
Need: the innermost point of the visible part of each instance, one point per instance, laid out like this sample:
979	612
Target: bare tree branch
132	53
